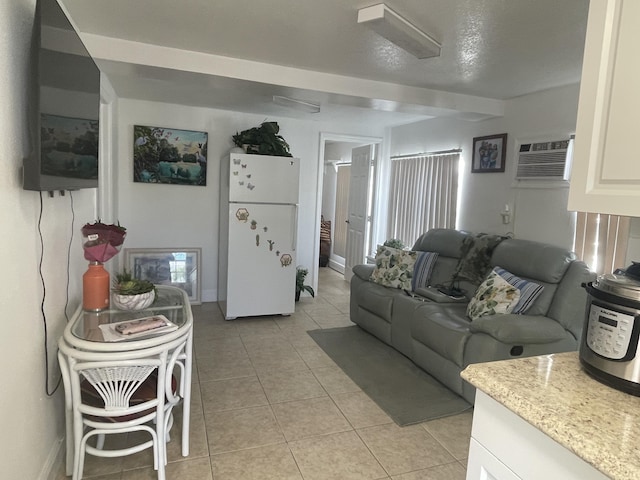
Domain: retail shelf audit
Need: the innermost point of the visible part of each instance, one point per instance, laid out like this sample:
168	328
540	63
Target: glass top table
83	330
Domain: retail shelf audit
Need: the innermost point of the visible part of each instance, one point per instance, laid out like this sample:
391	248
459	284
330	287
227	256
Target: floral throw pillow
394	268
495	295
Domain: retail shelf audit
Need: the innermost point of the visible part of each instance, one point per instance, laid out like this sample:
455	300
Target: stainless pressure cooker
609	345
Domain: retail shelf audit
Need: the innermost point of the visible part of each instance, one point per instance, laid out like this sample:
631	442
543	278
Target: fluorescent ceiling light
296	104
388	24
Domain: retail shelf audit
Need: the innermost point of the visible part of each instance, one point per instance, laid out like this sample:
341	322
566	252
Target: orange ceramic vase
95	288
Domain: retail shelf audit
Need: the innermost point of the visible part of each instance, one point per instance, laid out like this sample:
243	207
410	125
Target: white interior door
357	231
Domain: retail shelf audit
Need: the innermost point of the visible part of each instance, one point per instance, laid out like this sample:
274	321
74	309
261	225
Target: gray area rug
404	391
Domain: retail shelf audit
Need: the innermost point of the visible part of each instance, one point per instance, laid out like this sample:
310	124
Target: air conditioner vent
543	160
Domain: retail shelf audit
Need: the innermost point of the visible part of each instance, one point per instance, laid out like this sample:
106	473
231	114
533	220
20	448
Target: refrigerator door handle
294	236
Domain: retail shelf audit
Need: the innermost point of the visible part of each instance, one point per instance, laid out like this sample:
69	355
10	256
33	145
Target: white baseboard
54	461
336	266
209	295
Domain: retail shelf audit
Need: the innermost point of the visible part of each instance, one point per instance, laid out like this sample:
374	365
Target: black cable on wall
50	392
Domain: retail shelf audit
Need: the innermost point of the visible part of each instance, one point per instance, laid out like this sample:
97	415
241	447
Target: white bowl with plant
130	293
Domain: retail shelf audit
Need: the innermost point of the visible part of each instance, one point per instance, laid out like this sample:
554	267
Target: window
601	240
178	268
423	193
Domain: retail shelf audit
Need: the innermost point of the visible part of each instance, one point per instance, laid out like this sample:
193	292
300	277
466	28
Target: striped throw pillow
425	261
529	291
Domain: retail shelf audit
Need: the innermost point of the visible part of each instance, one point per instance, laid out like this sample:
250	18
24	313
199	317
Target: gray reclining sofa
433	329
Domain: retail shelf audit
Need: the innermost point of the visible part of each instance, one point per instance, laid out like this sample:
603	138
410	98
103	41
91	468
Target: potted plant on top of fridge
301	274
263	140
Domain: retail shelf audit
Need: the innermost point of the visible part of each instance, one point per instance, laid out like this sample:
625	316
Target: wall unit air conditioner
548	160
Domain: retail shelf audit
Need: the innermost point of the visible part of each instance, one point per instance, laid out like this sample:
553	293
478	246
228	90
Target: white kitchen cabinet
506	447
605	175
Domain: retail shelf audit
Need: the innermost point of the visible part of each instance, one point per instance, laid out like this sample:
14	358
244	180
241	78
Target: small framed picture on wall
489	153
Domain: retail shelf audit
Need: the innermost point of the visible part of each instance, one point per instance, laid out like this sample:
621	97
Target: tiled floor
269	404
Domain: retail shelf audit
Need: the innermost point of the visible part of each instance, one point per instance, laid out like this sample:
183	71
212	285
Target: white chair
118	392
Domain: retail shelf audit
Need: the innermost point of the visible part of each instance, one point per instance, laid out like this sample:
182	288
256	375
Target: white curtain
423	195
601	241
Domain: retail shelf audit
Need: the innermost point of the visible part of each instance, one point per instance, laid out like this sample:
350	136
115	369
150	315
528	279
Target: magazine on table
136	328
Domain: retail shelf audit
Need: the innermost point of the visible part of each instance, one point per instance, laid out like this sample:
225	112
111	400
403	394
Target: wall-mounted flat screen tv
64	106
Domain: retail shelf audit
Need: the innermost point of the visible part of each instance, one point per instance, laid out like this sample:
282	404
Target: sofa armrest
433	294
519	329
363	271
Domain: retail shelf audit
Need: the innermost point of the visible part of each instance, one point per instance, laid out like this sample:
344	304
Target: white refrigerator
258	229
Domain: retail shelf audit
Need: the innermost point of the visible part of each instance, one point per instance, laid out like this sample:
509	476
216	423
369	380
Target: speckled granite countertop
599	424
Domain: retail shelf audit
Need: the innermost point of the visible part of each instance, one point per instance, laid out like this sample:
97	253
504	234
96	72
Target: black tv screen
64	106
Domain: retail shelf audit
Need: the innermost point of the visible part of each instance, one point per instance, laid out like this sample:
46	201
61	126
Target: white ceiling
222	53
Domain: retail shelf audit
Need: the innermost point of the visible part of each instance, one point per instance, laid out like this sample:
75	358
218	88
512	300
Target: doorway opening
347	204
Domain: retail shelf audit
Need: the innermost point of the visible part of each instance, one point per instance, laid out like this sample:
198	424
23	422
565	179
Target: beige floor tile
239	429
453	433
307	302
332	321
217	346
273	462
204	331
334	380
96	466
360	410
256	326
232	394
301	340
289	386
315	357
190	469
147	473
343	306
225	368
450	471
337	456
267	342
308	418
198	446
404	449
278	361
209	353
298	321
319	310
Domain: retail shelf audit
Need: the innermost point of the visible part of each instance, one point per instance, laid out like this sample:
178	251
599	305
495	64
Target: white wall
32	422
187	216
539	213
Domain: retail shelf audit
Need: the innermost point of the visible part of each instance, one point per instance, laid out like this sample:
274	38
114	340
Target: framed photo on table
178	267
489	153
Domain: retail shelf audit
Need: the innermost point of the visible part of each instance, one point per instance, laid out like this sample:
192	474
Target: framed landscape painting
489	153
169	155
178	267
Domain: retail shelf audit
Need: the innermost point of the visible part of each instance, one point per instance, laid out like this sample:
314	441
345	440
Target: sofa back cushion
448	244
445	241
539	262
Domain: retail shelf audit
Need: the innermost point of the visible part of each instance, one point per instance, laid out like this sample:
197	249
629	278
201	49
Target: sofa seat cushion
444	328
376	298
